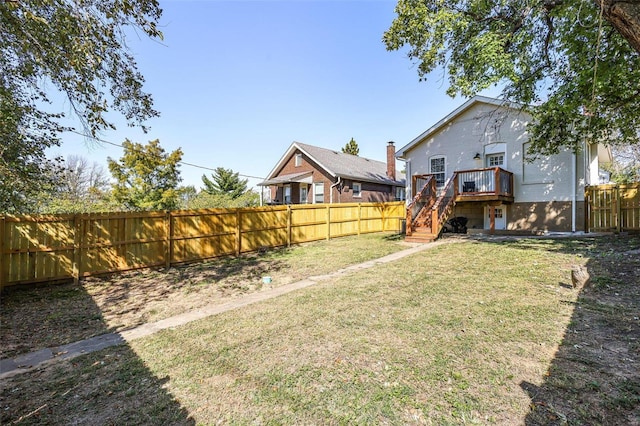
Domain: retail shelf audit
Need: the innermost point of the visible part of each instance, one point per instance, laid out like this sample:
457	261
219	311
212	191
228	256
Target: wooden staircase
429	210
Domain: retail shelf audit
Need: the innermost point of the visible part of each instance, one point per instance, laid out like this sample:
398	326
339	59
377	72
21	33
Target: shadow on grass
112	386
594	377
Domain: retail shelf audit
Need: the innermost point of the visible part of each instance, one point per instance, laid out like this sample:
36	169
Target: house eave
401	153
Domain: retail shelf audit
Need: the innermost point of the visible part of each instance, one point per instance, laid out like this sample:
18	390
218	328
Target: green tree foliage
77	48
579	76
146	178
351	147
204	200
225	182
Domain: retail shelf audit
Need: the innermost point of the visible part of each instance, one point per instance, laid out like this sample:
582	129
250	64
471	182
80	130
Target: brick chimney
391	161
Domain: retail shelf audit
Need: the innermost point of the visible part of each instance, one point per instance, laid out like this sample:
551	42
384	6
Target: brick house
308	174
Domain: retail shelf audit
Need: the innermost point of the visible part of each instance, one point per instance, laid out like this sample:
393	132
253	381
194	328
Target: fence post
238	231
359	218
289	220
328	221
168	238
3	278
618	209
587	208
77	248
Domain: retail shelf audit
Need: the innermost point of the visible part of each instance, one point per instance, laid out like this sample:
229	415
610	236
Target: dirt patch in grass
33	318
595	375
487	332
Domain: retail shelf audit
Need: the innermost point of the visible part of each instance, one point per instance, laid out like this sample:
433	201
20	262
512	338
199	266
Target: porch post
492	219
435	226
456	188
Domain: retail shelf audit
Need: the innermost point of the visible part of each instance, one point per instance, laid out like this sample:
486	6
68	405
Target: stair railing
424	199
444	205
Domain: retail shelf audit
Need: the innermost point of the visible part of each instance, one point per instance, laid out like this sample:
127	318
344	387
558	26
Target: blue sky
236	82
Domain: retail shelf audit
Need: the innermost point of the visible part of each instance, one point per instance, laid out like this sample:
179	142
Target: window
303	194
495	160
438	169
287	194
318	192
399	193
298	160
498	214
357	190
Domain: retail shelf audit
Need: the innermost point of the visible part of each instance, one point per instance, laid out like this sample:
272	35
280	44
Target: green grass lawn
458	334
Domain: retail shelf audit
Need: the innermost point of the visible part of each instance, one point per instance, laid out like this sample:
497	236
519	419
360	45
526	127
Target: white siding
485	128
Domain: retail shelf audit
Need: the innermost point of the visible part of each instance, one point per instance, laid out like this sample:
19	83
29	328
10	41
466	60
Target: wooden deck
430	207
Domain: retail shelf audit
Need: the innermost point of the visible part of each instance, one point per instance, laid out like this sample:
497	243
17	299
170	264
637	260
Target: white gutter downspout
408	182
331	190
574	161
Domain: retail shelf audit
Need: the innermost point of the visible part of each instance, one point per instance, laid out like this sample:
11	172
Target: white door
500	219
495	160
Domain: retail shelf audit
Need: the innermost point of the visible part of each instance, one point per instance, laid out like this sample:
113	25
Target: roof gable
498	103
337	163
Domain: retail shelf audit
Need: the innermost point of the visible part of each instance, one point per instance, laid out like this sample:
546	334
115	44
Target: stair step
420	238
421	235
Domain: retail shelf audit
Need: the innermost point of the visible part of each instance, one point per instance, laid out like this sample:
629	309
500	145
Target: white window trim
497	148
315	185
353	188
435	157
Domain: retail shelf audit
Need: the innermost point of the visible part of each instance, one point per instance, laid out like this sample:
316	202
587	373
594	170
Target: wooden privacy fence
613	208
48	248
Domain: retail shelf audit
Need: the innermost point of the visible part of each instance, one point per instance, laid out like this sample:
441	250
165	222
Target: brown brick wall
474	212
528	217
370	192
544	216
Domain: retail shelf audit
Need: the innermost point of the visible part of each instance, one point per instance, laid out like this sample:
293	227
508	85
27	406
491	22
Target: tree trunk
625	18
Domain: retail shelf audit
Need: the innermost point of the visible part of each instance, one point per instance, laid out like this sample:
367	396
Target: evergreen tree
351	147
225	182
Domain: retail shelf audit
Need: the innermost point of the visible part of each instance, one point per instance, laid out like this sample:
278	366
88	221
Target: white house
475	157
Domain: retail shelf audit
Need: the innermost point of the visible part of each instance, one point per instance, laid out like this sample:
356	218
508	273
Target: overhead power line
179	162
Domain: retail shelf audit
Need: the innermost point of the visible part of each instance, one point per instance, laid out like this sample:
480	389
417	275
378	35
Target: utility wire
179	162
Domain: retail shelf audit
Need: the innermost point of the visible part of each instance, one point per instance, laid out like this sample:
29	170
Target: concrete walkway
27	362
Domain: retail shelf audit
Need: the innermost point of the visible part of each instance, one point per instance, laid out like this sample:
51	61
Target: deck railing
495	181
443	206
435	206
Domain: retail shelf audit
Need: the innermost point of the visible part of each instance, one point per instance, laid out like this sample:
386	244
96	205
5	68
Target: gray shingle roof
350	166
